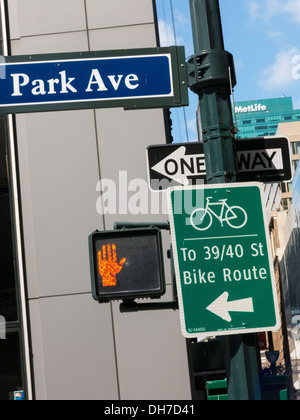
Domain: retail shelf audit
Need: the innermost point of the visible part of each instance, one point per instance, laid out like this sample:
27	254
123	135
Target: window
295	164
286	187
285	203
262	127
287	118
295	148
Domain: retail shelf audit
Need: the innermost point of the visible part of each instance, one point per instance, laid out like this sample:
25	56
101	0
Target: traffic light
126	264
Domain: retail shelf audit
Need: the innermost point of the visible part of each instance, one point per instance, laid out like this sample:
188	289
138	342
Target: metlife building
259	118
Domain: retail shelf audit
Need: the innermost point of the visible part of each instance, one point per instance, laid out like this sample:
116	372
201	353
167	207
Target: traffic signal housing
126	264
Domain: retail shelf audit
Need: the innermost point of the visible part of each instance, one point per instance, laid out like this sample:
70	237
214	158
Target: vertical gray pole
209	77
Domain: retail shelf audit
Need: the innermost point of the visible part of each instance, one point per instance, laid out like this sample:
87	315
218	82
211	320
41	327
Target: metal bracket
209	68
130	225
132	306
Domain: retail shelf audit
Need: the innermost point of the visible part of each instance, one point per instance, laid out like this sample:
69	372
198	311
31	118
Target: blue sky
264	38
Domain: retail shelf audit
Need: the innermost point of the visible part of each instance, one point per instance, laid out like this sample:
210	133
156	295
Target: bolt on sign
223	261
126	264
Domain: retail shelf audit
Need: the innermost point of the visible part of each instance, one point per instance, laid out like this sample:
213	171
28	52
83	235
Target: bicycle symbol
235	216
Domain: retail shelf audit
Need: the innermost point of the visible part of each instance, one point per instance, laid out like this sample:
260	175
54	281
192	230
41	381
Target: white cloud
182	18
239	64
275	34
267	9
252	9
279	74
166	35
192	125
292	7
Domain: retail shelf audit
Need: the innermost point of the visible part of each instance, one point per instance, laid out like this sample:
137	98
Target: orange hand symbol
108	265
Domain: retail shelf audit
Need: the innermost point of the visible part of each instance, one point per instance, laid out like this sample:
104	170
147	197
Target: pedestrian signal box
126	264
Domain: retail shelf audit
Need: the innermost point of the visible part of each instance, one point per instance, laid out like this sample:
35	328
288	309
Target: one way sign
176	165
265	159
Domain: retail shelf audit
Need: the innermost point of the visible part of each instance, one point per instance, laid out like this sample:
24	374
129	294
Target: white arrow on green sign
221	307
223	261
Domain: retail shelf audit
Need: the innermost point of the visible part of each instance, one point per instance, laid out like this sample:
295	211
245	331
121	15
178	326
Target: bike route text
223	253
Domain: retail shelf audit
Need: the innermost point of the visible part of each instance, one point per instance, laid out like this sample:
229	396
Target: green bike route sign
223	260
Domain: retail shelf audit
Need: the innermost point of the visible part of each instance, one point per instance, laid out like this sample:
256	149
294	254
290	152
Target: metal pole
211	75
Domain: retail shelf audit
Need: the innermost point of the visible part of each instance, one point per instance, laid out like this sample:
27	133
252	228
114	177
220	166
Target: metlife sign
250	108
147	78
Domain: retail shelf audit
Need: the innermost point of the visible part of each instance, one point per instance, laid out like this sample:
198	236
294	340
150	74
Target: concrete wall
83	350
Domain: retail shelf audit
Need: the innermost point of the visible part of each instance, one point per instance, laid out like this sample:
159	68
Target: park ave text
64	84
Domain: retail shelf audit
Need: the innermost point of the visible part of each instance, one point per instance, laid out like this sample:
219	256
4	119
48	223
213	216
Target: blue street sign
136	79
